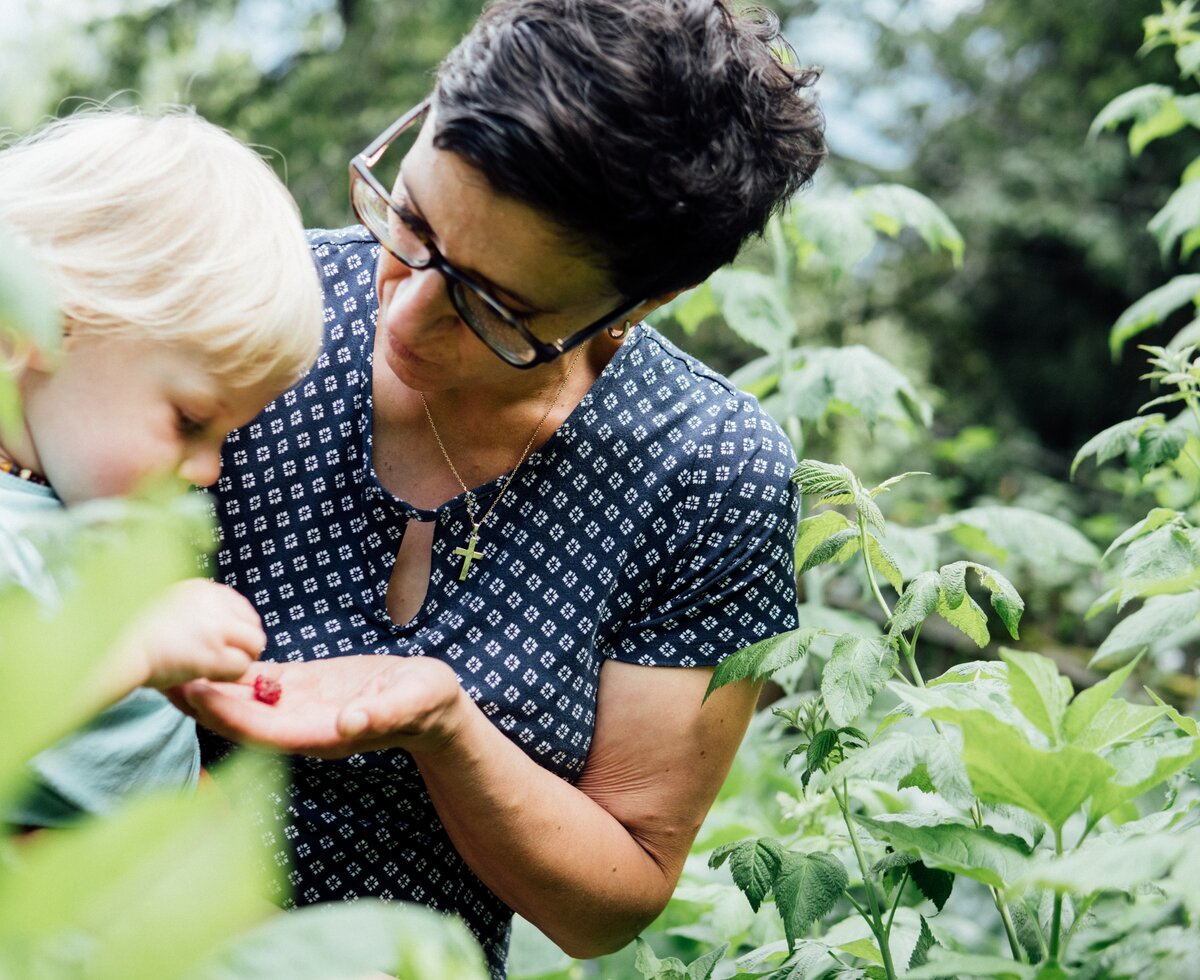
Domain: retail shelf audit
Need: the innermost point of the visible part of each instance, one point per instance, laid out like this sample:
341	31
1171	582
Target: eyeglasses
394	227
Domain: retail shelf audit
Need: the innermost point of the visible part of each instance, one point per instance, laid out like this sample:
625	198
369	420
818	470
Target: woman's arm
590	865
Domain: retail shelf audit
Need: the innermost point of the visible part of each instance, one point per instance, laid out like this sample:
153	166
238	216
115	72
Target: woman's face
520	254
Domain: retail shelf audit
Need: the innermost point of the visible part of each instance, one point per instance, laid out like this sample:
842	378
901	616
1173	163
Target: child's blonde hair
163	226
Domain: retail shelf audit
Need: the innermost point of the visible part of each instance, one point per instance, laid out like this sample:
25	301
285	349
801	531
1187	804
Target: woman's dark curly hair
660	133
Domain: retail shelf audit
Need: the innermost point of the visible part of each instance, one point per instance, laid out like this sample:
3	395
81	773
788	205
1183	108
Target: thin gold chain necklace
470	553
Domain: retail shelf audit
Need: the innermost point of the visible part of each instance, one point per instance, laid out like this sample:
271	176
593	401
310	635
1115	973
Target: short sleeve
733	581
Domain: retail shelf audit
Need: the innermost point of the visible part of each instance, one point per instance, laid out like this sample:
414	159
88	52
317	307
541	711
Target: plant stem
1056	921
896	901
863	539
1010	930
876	920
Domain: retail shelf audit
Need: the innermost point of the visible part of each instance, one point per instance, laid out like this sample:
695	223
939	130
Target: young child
189	300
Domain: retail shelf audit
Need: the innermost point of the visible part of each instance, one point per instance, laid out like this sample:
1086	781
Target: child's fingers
230	664
246	636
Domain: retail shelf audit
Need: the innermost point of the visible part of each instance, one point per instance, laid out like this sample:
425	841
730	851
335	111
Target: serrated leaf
753	864
1081	713
815	478
702	967
808	887
934	883
1005	599
976	852
858	669
1005	768
1157	446
952	580
925	942
760	660
652	968
812	531
883	562
1160	618
1040	693
1112	864
1141	766
838	547
1152	309
754	308
1160	561
893	207
837	230
1157	517
918	600
1187	725
894	759
1020	533
966	617
819	748
1116	440
851	380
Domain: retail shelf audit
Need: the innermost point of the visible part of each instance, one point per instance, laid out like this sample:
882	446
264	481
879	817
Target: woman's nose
420	295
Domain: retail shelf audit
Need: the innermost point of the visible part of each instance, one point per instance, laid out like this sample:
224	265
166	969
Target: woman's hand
335	707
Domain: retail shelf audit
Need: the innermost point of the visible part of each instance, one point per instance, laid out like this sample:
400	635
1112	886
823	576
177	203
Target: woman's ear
655	302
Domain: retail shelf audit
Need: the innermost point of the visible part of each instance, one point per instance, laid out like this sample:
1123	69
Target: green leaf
689	309
1141	103
754	308
1116	440
967	617
1019	533
1004	597
883	562
1112	864
1004	768
1156	560
976	852
754	866
154	857
892	207
808	887
1177	217
310	943
925	942
819	748
64	645
858	669
1151	522
1188	725
817	479
952	580
762	659
815	530
837	230
851	380
1040	693
1141	766
702	967
1152	309
1157	446
918	600
934	883
1077	725
837	547
652	968
945	963
1159	619
894	759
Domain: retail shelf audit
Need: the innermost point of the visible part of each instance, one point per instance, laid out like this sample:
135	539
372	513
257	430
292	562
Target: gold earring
618	333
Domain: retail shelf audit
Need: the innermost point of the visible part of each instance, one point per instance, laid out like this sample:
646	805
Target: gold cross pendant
469	554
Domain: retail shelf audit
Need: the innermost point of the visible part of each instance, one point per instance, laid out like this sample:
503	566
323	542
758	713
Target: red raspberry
266	690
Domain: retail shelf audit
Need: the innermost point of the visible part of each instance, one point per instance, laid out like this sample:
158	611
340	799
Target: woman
550	522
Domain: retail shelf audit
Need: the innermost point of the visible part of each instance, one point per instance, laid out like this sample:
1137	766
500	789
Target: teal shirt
141	743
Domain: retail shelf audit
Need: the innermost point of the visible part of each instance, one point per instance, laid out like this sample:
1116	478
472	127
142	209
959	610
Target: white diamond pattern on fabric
654	527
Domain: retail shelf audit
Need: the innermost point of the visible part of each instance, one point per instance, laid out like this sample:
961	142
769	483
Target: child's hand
197	629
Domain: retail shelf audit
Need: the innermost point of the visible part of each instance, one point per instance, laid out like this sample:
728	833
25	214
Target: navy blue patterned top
654	527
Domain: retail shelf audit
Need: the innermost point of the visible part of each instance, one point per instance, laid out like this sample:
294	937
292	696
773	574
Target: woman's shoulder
663	388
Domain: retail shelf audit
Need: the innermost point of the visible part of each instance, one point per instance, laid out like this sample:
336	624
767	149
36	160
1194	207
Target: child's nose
202	466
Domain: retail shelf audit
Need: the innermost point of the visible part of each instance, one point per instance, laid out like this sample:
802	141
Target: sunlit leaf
754	308
1160	618
857	671
1038	690
1152	309
893	207
979	853
808	887
761	659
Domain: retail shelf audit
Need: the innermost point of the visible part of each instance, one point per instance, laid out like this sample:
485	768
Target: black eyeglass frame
543	351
